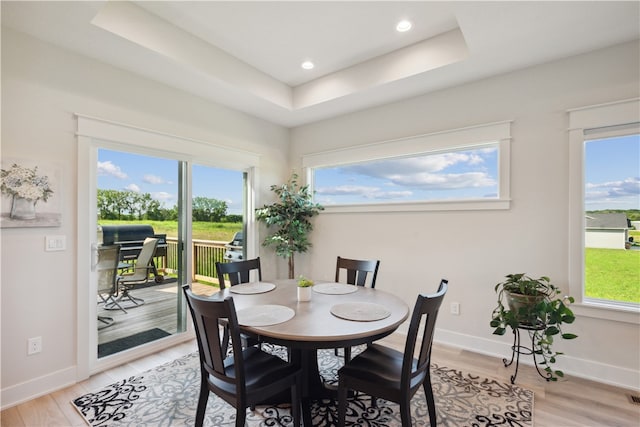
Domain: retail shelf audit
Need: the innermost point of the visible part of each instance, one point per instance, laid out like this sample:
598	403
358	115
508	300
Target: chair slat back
358	270
209	319
424	314
107	268
238	271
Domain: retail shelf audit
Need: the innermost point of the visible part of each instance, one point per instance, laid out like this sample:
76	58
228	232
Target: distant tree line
126	205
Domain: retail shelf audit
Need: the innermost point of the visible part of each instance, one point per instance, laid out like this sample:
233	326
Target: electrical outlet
455	308
34	345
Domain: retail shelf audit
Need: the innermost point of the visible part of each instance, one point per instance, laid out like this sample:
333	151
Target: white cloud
428	163
132	187
163	196
346	190
362	191
623	194
431	181
108	168
153	179
629	187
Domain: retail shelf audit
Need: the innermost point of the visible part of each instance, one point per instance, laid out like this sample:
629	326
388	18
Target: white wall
42	87
475	249
609	239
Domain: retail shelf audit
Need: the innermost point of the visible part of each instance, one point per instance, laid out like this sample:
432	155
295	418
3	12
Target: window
612	200
454	175
604	200
459	169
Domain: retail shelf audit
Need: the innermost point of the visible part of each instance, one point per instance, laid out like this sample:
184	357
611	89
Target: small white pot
304	294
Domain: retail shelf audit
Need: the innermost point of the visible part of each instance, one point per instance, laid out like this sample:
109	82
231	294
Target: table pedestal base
312	385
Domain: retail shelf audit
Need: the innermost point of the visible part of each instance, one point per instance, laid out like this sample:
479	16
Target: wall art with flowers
30	195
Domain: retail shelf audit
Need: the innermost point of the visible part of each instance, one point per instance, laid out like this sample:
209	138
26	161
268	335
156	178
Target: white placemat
252	288
334	288
360	311
264	315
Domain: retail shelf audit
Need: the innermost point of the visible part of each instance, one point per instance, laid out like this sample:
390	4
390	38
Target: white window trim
580	121
445	141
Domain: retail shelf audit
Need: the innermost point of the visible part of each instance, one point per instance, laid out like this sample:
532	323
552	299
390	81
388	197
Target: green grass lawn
201	230
612	274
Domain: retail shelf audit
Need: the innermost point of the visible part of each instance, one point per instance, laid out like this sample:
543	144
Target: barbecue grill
130	238
233	249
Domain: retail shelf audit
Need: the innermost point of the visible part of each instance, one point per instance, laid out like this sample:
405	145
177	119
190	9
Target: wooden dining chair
246	377
238	271
392	375
356	272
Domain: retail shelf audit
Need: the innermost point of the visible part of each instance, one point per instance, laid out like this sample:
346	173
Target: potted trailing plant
536	304
290	217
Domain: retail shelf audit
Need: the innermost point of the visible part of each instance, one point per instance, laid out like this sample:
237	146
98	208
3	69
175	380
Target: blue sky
612	172
468	174
159	177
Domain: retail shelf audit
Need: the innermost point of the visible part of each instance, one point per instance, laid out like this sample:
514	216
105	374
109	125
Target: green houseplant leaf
289	217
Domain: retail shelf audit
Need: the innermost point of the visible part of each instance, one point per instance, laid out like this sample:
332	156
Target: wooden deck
158	311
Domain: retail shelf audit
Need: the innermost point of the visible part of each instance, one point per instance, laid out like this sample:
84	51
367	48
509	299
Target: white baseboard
571	365
23	392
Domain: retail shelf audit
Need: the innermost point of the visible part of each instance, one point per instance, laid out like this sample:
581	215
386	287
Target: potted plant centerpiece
304	288
290	216
535	305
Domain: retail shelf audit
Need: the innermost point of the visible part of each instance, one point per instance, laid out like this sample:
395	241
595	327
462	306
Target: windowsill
607	311
460	205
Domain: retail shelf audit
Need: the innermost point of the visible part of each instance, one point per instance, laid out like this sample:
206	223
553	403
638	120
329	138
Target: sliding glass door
190	195
139	197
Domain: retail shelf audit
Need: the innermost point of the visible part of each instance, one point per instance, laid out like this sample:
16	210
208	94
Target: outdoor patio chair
140	275
245	378
107	269
357	272
383	372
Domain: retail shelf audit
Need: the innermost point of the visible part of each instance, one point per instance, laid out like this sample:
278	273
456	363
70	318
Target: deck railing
205	255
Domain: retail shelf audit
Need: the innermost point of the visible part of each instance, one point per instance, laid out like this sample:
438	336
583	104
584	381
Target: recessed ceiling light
403	26
307	65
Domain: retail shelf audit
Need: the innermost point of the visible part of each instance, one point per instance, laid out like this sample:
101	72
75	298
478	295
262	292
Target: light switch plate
55	243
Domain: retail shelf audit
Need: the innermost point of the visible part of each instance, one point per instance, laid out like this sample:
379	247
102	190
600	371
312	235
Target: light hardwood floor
567	403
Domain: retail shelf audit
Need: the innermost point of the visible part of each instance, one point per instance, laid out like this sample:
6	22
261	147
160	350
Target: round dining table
336	316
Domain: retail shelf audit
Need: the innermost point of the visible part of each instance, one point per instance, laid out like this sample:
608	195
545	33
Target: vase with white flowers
26	188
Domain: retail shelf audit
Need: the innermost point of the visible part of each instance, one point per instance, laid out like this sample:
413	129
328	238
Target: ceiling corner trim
421	57
144	29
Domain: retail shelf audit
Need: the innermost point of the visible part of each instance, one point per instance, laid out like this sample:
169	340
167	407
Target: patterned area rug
168	395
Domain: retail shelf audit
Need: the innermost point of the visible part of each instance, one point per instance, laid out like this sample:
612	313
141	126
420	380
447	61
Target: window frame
588	123
468	138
